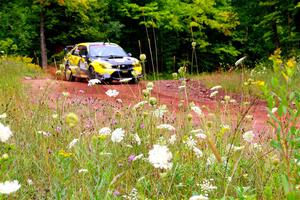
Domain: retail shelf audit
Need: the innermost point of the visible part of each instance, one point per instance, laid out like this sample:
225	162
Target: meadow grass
211	158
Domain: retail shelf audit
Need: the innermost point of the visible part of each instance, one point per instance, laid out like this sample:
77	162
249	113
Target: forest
206	34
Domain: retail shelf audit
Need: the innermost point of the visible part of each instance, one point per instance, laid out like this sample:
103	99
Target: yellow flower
259	83
291	63
72	119
65	154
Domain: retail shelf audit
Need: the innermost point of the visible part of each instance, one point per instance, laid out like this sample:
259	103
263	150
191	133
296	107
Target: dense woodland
205	34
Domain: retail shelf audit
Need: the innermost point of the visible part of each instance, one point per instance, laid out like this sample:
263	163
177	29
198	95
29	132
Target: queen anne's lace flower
172	139
5	133
117	135
112	93
159	112
104	131
160	157
248	136
166	126
9	186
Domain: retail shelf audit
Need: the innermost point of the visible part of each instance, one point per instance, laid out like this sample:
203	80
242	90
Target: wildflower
65	94
112	93
139	104
159	112
240	61
116	193
172	139
54	116
137	139
259	83
133	194
274	110
65	154
44	133
190	117
3	116
83	170
197	110
214	93
166	126
291	63
150	86
227	98
117	135
198	197
29	182
72	143
197	152
248	136
131	158
217	87
9	186
72	119
190	142
146	93
5	133
206	186
142	57
104	131
138	157
152	101
4	156
175	75
160	157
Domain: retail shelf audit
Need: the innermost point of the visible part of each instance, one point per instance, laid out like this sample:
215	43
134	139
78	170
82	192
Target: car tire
68	74
92	73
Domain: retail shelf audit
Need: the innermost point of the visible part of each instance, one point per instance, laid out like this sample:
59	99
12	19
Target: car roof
97	43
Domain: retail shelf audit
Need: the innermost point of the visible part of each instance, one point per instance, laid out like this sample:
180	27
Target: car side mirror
129	54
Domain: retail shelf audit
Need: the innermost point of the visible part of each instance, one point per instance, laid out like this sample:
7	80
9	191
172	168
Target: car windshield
106	51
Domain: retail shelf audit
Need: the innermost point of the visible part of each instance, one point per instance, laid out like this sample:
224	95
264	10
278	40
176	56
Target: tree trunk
43	40
275	35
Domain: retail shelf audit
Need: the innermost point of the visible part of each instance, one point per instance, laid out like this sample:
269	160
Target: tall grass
39	156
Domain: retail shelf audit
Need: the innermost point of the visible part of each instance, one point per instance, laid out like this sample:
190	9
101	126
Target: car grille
121	74
122	67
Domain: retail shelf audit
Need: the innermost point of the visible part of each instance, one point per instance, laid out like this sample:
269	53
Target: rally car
104	61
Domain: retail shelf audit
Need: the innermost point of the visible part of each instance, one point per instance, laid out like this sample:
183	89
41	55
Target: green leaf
285	183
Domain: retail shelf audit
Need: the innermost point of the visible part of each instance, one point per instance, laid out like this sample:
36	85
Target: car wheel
134	81
92	73
68	74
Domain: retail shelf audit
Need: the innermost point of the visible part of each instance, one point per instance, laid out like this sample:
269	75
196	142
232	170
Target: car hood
117	61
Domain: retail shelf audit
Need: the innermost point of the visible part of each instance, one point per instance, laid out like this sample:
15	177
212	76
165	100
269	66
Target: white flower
172	139
214	93
274	110
72	143
159	112
138	157
240	61
206	186
137	139
44	133
217	87
112	93
65	94
9	187
125	80
104	131
197	110
3	116
139	104
83	170
150	86
5	133
190	142
54	116
199	133
198	197
166	126
93	82
160	157
248	136
197	152
29	182
117	135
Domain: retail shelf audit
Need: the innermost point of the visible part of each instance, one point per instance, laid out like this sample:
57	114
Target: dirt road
166	91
